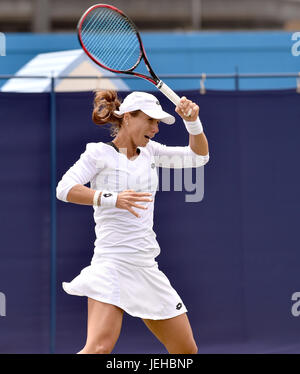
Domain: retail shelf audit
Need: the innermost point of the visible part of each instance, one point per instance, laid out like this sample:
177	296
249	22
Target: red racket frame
153	78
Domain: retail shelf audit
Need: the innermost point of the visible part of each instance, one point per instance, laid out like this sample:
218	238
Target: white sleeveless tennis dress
123	270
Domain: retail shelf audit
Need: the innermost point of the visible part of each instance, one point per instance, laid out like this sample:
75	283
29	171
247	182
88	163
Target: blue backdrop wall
233	257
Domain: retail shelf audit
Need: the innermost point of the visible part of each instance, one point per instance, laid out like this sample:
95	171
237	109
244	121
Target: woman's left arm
199	144
189	112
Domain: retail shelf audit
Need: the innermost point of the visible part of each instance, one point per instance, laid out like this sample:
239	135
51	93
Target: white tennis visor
148	104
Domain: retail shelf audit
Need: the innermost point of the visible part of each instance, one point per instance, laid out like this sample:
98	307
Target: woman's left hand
187	110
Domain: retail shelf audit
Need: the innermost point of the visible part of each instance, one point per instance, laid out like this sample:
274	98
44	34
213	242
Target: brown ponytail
105	102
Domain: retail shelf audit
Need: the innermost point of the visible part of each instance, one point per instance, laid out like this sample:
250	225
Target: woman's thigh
104	326
174	333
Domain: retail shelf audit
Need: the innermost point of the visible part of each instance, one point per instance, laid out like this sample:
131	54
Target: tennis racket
112	41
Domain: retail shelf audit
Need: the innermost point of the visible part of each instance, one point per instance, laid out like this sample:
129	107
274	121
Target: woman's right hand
126	200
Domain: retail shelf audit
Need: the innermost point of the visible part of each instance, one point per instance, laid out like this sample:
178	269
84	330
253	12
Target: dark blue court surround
233	257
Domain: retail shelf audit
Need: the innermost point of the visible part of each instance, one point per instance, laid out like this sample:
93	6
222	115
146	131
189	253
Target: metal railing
236	77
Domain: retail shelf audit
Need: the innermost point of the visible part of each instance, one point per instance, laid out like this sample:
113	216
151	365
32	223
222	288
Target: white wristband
95	199
108	198
194	127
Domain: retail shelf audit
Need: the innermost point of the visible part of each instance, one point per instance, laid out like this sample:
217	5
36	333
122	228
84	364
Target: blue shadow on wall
233	257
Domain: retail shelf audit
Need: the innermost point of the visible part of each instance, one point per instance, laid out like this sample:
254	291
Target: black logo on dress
178	306
107	194
153	165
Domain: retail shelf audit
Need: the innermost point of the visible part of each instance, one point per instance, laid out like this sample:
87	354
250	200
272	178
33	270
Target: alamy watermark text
2	44
2	304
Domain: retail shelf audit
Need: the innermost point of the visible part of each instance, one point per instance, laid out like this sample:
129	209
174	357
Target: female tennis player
123	274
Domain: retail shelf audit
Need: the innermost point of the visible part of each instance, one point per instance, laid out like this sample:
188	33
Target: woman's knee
194	349
190	349
101	348
183	348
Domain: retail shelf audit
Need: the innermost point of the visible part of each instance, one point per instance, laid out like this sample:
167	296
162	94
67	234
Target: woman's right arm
80	194
126	199
71	187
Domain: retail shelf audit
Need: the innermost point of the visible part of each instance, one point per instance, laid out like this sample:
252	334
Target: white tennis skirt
143	292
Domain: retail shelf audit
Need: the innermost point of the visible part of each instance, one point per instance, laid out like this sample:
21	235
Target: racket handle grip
167	91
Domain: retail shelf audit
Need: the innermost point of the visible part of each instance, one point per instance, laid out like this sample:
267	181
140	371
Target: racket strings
114	41
107	52
114	26
125	62
111	39
90	35
89	30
